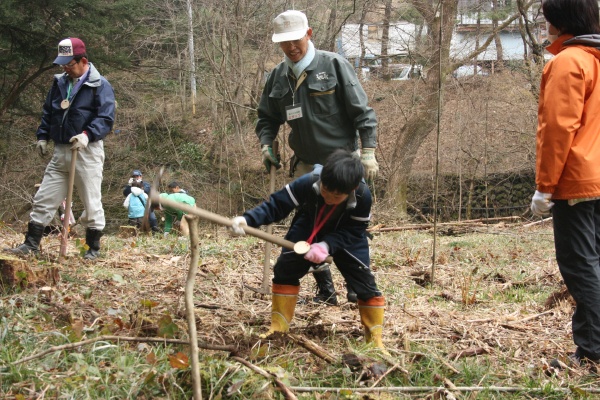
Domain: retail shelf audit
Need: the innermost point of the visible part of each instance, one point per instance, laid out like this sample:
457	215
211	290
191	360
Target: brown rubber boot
283	299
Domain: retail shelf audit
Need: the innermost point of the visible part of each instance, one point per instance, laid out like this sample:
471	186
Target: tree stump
127	231
15	272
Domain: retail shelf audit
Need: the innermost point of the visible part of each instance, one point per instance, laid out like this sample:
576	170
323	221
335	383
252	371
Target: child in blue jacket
135	203
334	204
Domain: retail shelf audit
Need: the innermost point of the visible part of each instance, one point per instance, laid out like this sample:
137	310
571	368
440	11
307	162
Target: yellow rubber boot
283	300
371	316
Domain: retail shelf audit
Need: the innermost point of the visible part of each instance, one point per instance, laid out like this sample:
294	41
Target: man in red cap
78	113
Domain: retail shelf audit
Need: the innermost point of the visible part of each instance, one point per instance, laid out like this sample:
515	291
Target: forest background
156	53
484	323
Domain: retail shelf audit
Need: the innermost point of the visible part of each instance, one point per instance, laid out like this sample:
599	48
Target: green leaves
166	327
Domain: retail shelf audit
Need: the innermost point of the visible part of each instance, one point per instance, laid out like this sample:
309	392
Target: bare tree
385	39
439	19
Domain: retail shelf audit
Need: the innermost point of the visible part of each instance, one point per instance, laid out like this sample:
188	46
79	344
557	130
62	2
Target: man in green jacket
320	97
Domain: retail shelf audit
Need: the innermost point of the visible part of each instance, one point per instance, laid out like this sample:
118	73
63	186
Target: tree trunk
385	41
422	122
497	41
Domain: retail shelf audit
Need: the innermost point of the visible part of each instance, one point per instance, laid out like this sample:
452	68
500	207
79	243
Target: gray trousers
88	181
577	243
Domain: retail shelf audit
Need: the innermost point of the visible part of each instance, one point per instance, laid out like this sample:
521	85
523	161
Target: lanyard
298	83
320	221
69	90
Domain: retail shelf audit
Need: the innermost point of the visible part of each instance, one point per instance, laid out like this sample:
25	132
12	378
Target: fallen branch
312	347
537	222
469	222
389	371
531	317
421	389
479	321
287	393
468	353
110	338
192	221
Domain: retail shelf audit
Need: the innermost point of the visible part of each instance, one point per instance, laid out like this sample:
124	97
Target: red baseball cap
69	48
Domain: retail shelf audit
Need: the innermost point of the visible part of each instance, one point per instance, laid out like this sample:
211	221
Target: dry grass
484	321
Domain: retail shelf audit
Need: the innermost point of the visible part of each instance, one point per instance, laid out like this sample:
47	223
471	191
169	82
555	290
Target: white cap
289	25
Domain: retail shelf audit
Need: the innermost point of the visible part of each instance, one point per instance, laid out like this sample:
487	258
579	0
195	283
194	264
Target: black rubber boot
351	296
32	240
92	238
325	289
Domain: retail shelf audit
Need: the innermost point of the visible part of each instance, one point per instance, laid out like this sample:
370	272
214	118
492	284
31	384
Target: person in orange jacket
568	161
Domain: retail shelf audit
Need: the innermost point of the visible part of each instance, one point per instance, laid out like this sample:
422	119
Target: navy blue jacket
345	230
92	109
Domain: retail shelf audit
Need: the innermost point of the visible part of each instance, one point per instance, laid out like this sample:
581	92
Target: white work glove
269	157
42	147
541	203
237	226
130	181
318	252
81	141
367	158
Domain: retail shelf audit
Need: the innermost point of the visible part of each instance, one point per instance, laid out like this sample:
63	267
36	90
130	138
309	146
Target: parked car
468	70
402	72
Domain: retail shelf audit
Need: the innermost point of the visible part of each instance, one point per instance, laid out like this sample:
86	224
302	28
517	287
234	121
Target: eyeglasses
295	43
70	65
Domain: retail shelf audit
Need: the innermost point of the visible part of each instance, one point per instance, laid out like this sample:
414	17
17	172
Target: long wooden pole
64	240
189	304
219	219
267	262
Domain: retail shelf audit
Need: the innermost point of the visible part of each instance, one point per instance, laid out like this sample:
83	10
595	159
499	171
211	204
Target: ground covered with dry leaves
488	327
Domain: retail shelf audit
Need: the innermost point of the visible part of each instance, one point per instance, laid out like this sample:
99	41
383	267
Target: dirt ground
497	294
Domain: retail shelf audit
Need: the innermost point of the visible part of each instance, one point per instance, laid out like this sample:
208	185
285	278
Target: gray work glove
269	157
237	226
541	204
367	158
42	147
81	141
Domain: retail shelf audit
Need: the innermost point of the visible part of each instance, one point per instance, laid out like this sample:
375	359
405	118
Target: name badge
294	111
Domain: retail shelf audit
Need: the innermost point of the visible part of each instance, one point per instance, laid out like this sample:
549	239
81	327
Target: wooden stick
420	389
75	345
395	366
537	222
265	287
312	347
287	393
468	222
189	304
64	239
219	219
